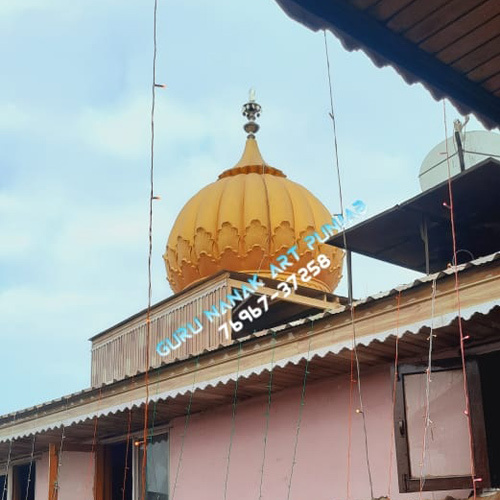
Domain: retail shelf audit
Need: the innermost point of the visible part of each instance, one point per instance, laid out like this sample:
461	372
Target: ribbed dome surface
243	221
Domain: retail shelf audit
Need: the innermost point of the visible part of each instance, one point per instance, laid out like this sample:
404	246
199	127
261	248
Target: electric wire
460	329
268	414
492	155
351	305
59	452
9	454
394	387
127	451
94	440
28	481
233	421
349	426
150	249
488	155
361	405
299	419
153	421
427	409
155	404
186	423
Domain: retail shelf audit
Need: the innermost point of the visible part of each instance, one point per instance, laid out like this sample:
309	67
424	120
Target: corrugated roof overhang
451	46
326	340
427	216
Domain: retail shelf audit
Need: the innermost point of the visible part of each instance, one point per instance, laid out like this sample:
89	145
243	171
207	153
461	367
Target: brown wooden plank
478	56
471	41
477	426
53	459
16	487
493	83
486	70
461	27
99	493
413	14
440	18
387	8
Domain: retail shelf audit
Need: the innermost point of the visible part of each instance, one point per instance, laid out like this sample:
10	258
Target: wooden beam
53	469
102	471
16	490
294	298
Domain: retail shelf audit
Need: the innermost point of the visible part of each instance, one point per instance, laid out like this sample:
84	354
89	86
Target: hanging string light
460	329
4	490
268	414
233	422
152	197
351	304
299	418
186	423
428	380
394	386
30	468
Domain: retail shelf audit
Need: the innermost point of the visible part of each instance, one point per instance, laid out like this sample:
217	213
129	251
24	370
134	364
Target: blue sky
74	164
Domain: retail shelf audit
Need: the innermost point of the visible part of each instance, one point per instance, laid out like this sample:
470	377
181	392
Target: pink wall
42	478
76	477
320	471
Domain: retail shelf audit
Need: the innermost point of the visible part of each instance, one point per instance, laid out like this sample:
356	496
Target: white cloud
15	241
15	245
42	303
22	223
125	130
88	232
9	7
13	117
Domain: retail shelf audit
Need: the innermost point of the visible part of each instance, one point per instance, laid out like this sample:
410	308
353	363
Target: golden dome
243	221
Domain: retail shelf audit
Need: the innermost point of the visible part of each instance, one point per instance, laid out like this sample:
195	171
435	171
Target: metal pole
349	276
460	150
425	238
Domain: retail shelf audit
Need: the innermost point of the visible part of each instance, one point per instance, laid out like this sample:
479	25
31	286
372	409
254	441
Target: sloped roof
452	47
325	340
475	195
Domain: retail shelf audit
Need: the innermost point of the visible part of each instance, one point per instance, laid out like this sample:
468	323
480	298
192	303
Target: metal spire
251	110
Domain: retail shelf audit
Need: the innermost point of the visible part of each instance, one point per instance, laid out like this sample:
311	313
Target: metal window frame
137	465
407	484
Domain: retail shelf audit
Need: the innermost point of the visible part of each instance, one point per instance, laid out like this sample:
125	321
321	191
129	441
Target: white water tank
477	145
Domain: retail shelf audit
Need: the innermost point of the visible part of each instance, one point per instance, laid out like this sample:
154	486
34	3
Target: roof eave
357	30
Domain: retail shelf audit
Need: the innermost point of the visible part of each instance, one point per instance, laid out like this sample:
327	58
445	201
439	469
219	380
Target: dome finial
251	110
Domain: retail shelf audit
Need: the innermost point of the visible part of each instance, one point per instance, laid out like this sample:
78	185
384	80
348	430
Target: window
23	483
113	479
446	461
3	480
120	457
156	468
19	484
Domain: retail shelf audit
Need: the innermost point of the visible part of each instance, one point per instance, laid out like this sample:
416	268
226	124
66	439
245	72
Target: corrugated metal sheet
431	277
372	349
394	291
366	345
121	352
461	37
